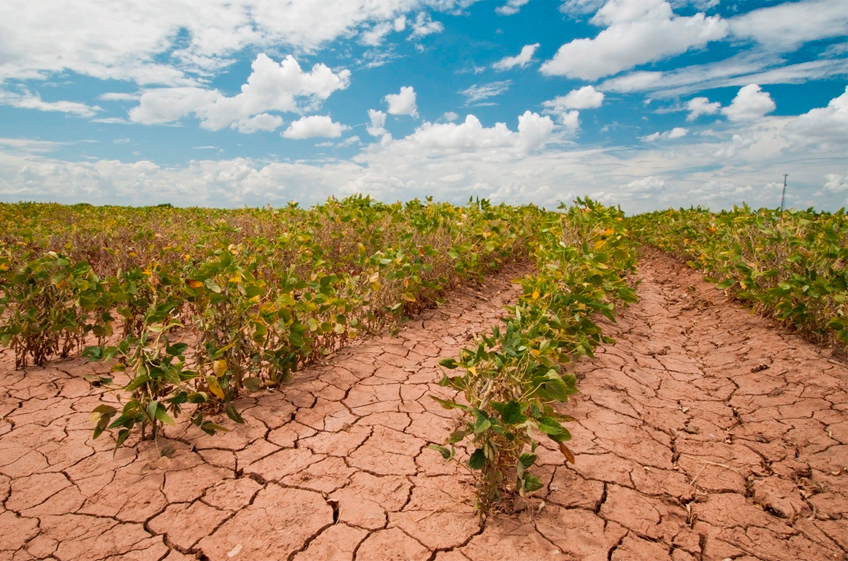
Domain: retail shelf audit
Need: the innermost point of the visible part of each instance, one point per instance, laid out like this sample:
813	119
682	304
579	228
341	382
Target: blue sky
643	103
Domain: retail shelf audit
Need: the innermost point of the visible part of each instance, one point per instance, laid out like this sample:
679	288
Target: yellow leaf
215	387
473	370
536	294
599	244
193	283
219	367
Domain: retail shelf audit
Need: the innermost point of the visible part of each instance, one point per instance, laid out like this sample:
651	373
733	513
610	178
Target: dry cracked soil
703	433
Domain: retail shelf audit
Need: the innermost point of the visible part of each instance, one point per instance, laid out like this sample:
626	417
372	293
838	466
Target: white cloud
261	122
787	26
570	120
701	106
822	127
402	103
750	104
586	97
511	7
180	42
676	132
26	145
580	7
166	105
283	87
836	183
119	96
739	70
470	136
484	164
450	116
378	123
522	59
638	31
647	185
314	126
29	100
349	141
481	92
375	36
424	25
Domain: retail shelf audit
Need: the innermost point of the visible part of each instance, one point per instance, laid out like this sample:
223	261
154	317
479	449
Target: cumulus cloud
481	92
824	127
511	8
570	120
750	104
471	136
314	126
701	106
450	116
676	132
402	103
271	86
637	31
521	60
586	97
378	123
789	25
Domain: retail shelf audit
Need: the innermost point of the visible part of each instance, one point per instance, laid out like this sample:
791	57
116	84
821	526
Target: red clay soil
702	434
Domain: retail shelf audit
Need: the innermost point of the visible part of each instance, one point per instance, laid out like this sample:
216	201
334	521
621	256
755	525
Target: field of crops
198	307
790	265
401	380
194	308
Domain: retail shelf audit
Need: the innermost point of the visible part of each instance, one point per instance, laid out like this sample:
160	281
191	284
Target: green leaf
162	415
445	452
213	286
482	421
530	483
122	436
511	413
549	425
527	460
448	363
252	383
233	414
176	349
477	459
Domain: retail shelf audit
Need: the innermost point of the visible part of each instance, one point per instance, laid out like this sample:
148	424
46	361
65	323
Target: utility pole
783	197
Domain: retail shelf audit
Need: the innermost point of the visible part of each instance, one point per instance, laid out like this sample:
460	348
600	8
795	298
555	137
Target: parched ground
702	434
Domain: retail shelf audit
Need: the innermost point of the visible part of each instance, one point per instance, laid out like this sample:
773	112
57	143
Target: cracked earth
702	434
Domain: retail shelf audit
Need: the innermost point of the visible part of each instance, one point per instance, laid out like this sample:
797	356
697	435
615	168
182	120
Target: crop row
790	265
199	306
511	383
